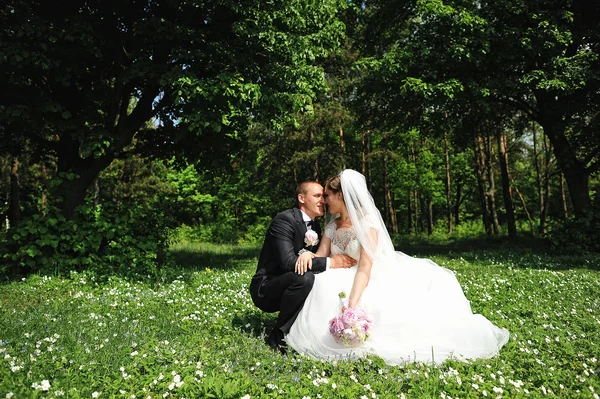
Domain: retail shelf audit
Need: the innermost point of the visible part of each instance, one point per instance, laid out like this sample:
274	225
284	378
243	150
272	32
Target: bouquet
351	328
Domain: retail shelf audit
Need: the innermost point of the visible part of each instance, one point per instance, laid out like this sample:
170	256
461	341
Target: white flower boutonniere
311	238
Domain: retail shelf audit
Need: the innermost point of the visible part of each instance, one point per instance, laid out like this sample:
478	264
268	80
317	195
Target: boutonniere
311	237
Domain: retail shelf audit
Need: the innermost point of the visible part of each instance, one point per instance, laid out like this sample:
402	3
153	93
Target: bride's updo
334	184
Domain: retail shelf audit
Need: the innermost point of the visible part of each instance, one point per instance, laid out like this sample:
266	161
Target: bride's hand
304	262
341	261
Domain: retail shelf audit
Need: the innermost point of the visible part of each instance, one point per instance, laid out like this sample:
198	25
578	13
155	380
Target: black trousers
285	294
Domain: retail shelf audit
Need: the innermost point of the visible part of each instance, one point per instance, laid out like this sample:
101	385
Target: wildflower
95	394
44	385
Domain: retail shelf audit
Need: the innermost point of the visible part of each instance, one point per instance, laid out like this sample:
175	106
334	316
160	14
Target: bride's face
334	201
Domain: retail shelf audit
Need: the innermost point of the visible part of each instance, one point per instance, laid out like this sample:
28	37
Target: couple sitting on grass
417	309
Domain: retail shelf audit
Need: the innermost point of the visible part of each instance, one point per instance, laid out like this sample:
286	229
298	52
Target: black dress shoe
276	341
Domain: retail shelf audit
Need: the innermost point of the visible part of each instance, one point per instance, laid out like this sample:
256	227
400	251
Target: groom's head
309	198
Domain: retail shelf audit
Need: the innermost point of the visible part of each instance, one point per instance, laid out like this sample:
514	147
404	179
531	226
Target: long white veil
366	218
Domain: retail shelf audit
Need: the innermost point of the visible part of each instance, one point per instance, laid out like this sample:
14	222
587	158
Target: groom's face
312	202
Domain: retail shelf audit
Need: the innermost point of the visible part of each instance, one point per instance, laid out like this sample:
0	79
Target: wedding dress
418	309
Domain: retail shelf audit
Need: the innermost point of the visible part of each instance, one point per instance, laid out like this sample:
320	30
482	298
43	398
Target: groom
277	284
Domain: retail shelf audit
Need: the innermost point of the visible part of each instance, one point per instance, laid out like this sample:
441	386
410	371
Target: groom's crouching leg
293	299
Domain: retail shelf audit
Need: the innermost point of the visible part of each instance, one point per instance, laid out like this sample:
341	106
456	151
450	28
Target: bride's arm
361	279
363	274
324	248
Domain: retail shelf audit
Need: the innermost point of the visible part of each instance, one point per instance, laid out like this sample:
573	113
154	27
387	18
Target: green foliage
576	234
127	240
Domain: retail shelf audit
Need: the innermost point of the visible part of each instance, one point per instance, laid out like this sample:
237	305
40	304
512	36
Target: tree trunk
416	209
423	215
415	192
506	190
538	178
342	147
481	180
369	168
491	193
524	206
14	204
448	187
96	192
364	153
316	163
575	171
457	204
563	197
410	211
44	182
430	216
390	214
546	181
295	176
76	175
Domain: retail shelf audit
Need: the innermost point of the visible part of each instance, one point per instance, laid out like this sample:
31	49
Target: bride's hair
334	184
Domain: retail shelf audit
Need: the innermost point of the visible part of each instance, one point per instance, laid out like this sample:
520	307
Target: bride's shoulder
330	228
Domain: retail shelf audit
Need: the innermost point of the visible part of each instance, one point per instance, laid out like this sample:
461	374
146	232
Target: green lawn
193	332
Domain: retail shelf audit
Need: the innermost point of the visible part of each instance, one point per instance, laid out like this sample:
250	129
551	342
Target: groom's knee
305	281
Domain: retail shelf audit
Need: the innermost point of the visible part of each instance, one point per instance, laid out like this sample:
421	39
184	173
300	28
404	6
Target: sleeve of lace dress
330	229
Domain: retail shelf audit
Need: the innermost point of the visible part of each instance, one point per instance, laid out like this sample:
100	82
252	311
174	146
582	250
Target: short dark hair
303	189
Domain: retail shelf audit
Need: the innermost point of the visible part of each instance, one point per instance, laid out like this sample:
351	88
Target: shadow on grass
522	252
200	256
256	324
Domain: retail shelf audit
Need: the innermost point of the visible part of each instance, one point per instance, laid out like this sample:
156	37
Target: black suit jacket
284	239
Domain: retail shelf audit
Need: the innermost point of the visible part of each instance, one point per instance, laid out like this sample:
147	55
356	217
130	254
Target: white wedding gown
418	308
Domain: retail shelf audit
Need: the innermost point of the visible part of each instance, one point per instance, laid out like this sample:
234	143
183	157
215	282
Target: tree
539	57
82	79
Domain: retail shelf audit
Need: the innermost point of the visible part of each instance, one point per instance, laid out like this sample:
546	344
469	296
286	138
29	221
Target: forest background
128	126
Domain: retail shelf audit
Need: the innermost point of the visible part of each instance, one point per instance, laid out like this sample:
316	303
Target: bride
418	309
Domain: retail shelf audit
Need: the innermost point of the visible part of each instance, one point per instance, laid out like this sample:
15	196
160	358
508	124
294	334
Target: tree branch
519	104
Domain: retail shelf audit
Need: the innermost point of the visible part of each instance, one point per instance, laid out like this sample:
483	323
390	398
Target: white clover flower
95	394
43	386
247	396
9	395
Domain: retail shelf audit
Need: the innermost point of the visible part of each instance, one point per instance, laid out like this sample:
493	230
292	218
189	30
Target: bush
126	239
575	234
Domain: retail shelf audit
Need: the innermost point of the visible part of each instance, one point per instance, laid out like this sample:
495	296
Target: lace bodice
343	241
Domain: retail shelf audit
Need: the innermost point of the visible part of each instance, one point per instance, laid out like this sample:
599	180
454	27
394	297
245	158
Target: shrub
576	234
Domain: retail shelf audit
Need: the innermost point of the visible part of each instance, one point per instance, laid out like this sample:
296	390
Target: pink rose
361	314
349	317
363	326
348	334
336	326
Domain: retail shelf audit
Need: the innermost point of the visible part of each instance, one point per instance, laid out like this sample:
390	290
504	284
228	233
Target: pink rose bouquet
351	328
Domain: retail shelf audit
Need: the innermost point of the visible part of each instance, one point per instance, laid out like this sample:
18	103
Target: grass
195	332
